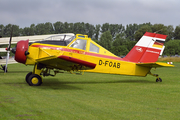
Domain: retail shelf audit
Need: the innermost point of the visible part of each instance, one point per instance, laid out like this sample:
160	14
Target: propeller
8	50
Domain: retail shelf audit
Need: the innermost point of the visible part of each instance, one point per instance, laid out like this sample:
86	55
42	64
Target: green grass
90	96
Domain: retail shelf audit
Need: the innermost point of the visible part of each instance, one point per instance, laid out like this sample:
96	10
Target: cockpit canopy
66	39
62	39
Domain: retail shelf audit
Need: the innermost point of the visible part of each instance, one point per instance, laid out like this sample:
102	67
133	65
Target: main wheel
34	80
27	76
158	80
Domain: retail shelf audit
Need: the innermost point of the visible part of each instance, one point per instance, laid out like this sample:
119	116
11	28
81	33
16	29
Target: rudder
147	49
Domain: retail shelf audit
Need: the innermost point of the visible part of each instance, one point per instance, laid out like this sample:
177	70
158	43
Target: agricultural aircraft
78	53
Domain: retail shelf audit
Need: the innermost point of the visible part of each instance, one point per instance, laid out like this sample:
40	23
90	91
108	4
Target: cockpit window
80	44
93	48
63	40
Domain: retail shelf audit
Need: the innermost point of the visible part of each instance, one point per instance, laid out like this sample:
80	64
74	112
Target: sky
26	12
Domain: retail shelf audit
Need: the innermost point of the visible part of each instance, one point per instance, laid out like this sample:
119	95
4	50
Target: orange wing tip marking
78	61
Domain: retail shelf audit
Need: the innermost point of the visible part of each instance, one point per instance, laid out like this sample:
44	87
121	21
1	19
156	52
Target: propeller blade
8	50
9	46
7	58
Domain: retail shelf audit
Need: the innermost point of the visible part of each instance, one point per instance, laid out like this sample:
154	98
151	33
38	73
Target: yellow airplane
78	53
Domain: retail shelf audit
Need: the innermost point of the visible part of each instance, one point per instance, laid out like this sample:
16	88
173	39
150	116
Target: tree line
116	38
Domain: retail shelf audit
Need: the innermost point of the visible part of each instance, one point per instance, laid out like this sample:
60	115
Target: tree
120	50
113	28
32	29
71	28
105	27
177	32
106	40
159	28
119	41
116	29
26	31
58	27
119	45
40	29
65	27
89	29
79	28
170	33
1	30
172	47
48	28
140	32
96	32
131	30
7	30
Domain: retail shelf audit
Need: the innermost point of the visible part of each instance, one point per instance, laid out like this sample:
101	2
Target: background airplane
80	53
5	41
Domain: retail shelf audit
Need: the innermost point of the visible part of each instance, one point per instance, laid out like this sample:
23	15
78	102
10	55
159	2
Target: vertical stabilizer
147	49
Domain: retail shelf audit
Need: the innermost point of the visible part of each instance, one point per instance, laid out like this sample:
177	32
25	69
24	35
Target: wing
155	65
5	40
3	50
66	63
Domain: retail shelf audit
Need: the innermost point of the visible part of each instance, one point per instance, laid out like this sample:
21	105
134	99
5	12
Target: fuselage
88	53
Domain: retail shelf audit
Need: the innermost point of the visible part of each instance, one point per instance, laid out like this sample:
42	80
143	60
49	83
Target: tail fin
147	49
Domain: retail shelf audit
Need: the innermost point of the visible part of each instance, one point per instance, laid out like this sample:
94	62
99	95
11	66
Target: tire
159	80
27	76
34	80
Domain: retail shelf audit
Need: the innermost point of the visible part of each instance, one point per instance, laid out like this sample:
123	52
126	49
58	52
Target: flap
66	63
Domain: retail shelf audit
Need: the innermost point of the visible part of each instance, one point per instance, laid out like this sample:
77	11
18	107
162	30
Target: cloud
24	13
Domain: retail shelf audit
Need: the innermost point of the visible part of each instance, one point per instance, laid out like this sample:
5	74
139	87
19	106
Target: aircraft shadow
94	82
57	84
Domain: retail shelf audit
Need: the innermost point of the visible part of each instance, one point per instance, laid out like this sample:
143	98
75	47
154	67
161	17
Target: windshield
67	38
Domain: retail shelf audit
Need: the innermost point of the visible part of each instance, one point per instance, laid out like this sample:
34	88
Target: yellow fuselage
105	61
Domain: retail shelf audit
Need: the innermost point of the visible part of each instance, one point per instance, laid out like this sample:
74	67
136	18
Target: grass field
90	96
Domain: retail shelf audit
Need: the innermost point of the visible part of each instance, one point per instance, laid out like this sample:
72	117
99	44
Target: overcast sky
26	12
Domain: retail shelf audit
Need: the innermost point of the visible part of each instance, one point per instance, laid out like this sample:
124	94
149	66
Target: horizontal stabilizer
155	65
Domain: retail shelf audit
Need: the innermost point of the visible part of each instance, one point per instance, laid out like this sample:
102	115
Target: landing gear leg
158	79
34	78
3	68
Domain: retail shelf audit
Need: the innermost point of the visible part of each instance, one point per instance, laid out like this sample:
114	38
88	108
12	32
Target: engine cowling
21	48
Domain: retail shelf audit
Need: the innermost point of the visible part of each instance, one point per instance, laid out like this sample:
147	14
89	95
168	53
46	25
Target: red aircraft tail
147	49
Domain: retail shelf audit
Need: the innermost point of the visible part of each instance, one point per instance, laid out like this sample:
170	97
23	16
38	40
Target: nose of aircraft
20	50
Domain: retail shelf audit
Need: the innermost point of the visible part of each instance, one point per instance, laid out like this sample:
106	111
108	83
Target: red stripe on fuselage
78	51
78	61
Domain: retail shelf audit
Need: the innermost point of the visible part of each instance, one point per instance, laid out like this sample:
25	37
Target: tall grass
170	59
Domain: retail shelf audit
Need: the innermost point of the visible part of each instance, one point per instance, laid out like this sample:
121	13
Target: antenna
158	30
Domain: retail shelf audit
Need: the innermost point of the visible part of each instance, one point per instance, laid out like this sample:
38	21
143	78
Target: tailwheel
157	76
34	80
158	80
